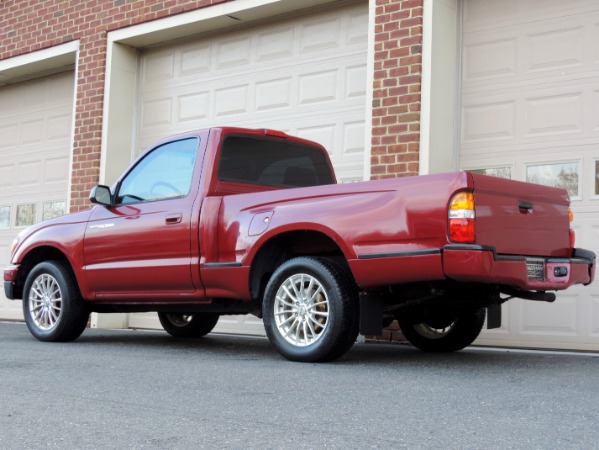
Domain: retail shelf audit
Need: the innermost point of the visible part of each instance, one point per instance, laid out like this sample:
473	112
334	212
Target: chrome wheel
179	320
188	325
310	309
301	310
45	302
442	331
431	332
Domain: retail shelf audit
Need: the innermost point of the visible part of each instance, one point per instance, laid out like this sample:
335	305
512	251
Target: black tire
184	325
310	310
444	332
52	305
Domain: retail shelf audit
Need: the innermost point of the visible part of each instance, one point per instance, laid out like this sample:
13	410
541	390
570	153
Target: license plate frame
535	268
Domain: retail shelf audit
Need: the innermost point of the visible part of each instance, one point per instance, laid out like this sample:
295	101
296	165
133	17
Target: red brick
29	26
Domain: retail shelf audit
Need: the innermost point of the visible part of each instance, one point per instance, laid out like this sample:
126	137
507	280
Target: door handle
172	219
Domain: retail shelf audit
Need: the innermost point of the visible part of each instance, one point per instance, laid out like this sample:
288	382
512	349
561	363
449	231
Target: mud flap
493	316
371	314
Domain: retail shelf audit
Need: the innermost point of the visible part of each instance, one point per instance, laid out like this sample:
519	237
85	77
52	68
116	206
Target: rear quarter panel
387	220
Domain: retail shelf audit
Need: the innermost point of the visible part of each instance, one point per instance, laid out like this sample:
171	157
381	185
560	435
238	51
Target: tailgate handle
524	205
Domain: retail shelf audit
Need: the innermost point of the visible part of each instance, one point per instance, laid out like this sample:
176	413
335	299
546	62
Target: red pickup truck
234	221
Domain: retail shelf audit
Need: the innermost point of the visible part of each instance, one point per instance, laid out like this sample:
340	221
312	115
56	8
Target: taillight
461	218
572	233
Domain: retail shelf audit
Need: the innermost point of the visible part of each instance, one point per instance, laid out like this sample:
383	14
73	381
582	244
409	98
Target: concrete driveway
144	389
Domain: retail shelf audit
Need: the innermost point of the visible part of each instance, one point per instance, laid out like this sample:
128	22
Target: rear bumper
10	275
475	263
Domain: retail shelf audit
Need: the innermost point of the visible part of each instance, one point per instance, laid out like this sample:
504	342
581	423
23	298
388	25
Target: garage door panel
555	47
9	135
304	75
559	319
233	53
540	50
7	172
492	121
58	127
594	316
277	44
35	136
28	174
274	94
56	170
559	116
530	102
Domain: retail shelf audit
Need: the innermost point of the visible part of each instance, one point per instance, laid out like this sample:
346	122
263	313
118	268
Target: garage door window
563	175
53	209
500	172
26	215
4	216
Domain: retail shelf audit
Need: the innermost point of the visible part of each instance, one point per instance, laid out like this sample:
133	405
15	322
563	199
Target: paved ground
142	390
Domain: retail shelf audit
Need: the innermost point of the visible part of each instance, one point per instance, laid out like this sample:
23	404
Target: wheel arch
277	249
35	256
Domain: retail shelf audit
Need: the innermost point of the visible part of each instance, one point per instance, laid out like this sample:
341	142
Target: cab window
164	173
272	162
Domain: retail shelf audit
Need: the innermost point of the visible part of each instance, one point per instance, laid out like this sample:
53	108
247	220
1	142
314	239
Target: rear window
272	162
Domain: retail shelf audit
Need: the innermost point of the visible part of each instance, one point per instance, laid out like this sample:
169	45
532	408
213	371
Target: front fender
52	237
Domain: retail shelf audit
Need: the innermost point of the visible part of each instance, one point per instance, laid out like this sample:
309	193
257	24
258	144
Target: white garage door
530	111
35	137
305	75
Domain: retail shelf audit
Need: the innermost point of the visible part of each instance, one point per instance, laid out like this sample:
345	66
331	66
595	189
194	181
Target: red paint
203	246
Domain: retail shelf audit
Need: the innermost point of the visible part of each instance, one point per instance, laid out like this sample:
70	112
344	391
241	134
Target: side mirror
101	195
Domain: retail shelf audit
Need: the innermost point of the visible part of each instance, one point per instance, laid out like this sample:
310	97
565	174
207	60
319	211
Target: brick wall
396	90
30	25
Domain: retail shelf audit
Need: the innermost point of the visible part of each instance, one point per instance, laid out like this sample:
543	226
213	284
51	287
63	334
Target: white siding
530	107
35	141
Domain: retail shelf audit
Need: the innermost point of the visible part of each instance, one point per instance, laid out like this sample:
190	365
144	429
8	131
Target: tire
310	310
52	305
444	333
183	325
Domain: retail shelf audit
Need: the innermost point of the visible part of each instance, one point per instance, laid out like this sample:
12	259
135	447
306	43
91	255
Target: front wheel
310	310
53	308
184	325
447	332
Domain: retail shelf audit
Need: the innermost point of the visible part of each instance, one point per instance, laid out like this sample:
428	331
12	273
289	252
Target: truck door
142	246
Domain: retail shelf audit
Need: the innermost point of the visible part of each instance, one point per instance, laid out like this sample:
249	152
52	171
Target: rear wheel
192	325
310	310
52	305
443	332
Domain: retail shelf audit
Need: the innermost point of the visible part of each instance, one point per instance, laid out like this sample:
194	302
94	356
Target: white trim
42	62
73	118
457	120
25	66
438	86
215	17
369	90
425	88
120	60
180	20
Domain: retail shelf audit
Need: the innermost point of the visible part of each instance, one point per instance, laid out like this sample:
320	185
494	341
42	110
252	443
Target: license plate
535	269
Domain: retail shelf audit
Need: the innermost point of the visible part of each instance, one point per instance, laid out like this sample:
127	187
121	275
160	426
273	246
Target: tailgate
521	218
